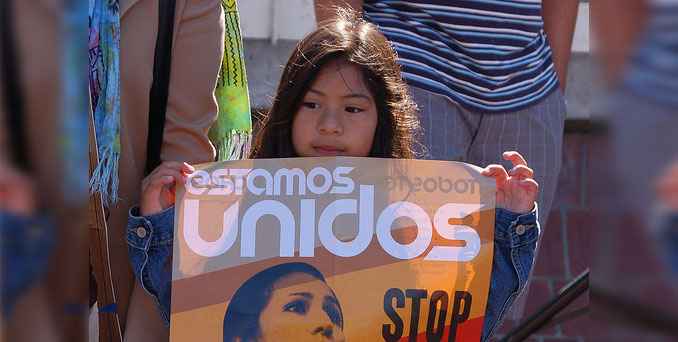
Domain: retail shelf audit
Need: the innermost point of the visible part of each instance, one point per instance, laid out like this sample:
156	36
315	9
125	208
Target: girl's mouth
325	150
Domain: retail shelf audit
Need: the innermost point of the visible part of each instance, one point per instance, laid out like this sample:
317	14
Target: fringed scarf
104	78
231	134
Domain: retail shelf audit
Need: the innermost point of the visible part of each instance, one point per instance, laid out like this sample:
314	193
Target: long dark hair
349	38
242	316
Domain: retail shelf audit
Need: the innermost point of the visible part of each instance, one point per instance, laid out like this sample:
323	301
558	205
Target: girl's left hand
516	189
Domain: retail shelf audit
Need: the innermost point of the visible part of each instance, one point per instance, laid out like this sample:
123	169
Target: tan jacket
197	50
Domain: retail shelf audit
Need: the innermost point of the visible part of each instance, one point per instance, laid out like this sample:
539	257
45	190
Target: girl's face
308	311
338	114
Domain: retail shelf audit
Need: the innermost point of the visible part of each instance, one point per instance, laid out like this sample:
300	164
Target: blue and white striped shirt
490	56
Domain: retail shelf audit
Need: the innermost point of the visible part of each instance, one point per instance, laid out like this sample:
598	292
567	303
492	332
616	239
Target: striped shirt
653	71
489	56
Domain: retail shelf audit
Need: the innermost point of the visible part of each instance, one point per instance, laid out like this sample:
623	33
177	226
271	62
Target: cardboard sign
357	249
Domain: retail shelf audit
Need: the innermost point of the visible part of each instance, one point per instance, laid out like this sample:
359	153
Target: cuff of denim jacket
142	229
516	229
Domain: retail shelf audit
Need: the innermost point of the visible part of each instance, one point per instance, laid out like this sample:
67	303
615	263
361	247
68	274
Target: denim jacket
515	238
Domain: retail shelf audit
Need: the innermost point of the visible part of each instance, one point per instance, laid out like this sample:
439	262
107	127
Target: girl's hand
516	189
667	187
17	195
159	188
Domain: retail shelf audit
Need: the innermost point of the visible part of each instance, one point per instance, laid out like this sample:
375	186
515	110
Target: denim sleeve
515	241
150	243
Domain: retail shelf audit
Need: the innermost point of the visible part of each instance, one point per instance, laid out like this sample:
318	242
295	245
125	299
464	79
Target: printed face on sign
308	312
286	302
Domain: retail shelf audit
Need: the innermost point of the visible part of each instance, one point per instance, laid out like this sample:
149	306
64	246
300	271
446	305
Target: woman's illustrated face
308	311
338	115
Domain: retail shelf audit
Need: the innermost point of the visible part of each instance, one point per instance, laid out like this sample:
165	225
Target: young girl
341	94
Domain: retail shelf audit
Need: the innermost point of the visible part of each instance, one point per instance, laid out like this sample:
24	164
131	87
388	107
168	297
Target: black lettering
463	188
457	316
434	333
417	295
390	183
404	180
442	182
389	296
430	185
416	187
474	184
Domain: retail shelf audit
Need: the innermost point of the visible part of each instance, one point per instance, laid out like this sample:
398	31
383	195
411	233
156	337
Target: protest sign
361	249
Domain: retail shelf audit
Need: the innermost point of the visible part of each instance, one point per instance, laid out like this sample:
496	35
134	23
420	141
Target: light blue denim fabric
150	240
515	240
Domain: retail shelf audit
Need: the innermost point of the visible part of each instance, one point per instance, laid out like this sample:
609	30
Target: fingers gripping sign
516	189
159	188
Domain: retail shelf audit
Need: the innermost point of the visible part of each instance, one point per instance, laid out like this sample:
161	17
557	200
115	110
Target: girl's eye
310	105
298	306
353	109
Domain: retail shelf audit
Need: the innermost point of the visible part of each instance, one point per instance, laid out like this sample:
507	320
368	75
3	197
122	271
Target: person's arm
615	27
560	17
325	9
196	60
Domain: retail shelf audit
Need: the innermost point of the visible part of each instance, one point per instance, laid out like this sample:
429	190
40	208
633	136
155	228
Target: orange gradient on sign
378	293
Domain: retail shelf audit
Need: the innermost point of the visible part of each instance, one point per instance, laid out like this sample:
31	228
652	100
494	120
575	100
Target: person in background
487	76
196	55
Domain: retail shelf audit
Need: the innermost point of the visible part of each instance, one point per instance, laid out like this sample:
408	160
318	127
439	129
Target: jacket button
520	229
141	232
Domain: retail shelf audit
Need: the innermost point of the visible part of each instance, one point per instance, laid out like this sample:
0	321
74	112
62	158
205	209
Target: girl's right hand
159	188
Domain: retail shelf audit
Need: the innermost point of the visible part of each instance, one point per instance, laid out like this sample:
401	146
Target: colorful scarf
104	82
231	134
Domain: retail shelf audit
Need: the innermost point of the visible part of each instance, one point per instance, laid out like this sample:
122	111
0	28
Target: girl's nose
330	123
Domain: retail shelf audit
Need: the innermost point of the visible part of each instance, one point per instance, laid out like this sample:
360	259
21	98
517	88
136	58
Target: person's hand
667	187
17	195
516	189
158	190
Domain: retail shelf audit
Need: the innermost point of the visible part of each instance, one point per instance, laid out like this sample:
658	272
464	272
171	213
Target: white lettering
420	218
326	183
192	230
455	232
